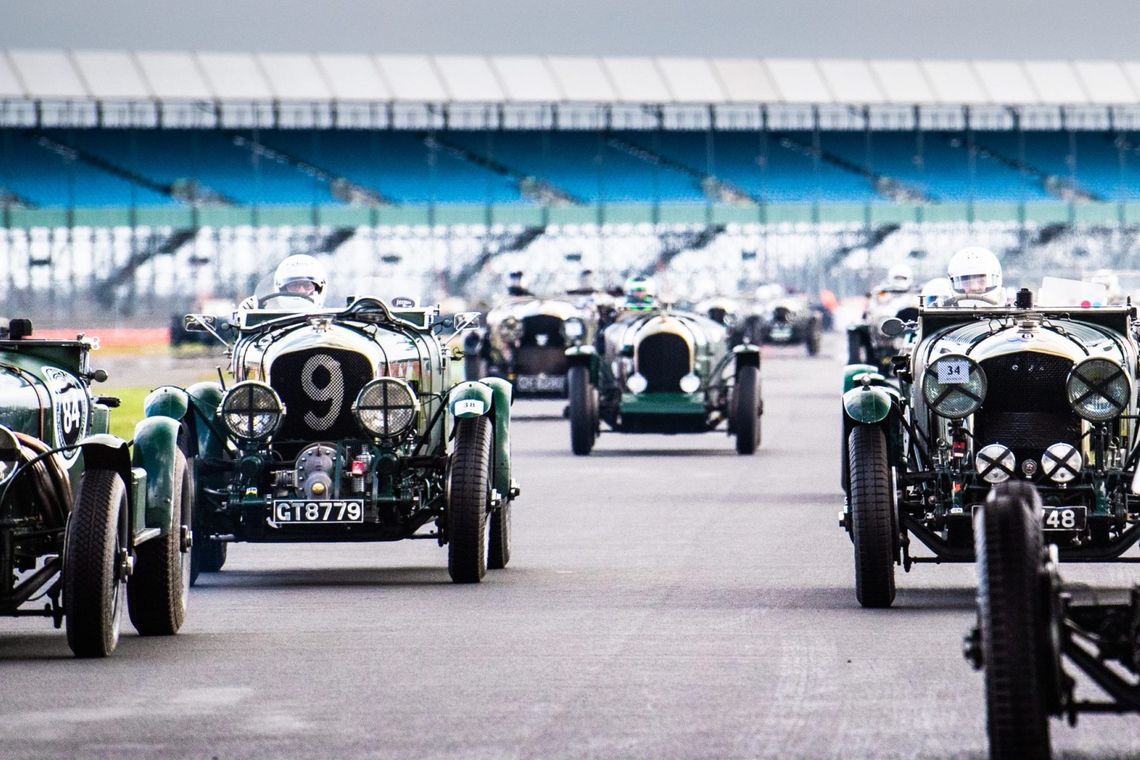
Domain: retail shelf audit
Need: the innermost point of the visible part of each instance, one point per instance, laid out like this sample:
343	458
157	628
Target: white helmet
936	292
975	275
900	277
303	276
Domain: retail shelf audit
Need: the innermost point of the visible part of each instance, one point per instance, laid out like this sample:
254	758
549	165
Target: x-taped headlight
995	463
1098	389
954	386
511	329
386	407
573	328
252	411
1062	462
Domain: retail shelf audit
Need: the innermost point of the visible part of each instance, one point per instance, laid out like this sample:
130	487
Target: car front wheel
92	578
583	411
872	524
158	588
746	410
1012	619
469	498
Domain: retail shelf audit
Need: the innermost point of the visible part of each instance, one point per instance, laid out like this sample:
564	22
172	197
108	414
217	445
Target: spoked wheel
746	410
583	410
92	577
872	522
158	588
499	545
469	496
1014	622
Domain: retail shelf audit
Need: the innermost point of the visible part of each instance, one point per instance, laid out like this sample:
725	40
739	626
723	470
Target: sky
793	28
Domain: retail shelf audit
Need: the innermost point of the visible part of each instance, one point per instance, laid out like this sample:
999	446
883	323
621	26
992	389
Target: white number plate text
334	511
1064	518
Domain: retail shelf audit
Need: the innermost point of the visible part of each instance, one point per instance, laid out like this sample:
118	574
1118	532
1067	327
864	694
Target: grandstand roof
46	75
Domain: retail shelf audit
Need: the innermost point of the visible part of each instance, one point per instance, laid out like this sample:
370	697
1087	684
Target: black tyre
583	410
206	556
872	522
746	410
469	495
1013	622
855	353
499	545
160	584
92	579
813	338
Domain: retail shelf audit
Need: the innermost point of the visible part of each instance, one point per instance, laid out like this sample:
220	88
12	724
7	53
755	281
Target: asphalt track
666	599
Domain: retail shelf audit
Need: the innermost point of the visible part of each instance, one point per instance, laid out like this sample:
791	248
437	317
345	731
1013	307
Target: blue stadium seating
140	167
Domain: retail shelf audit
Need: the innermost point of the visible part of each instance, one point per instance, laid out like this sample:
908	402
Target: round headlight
386	407
573	328
954	386
637	383
511	329
1099	389
690	383
1061	462
252	411
995	463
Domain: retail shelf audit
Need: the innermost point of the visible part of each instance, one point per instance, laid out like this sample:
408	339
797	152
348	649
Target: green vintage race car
664	371
83	516
986	395
349	424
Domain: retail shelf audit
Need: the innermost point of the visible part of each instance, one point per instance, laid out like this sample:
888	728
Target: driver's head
303	276
975	274
640	293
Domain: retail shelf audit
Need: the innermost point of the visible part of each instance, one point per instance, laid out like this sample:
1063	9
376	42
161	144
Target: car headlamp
573	328
1098	389
1062	462
690	383
637	383
386	407
511	329
995	463
954	386
252	411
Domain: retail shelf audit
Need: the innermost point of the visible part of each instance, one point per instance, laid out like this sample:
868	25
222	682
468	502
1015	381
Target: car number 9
331	390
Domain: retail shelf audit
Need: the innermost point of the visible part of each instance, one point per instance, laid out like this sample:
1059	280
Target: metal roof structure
310	77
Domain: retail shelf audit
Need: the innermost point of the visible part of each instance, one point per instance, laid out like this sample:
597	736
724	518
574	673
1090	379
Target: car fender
852	371
156	444
585	355
746	355
104	451
874	406
502	397
470	399
205	398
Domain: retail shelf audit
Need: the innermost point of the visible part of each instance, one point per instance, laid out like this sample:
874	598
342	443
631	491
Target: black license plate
331	511
1064	518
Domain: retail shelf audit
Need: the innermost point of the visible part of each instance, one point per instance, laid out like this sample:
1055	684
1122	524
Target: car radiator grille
1025	406
542	330
533	360
318	387
663	359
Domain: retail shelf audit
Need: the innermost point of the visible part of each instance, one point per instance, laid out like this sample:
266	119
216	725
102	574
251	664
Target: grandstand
128	178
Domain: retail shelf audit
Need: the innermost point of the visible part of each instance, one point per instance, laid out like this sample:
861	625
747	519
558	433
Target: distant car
349	424
1030	627
664	371
87	525
866	344
985	395
526	341
790	320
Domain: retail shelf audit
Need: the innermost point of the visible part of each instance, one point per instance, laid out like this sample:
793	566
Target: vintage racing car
664	371
86	521
987	395
349	424
1029	627
866	344
527	338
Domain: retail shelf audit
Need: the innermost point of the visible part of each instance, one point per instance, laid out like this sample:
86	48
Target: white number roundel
323	386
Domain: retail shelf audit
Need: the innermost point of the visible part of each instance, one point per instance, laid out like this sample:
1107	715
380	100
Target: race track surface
667	598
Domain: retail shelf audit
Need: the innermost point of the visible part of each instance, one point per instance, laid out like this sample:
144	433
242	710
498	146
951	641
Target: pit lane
666	598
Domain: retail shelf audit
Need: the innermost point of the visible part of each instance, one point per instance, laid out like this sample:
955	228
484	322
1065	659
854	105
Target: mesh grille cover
1026	407
663	358
318	387
544	325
